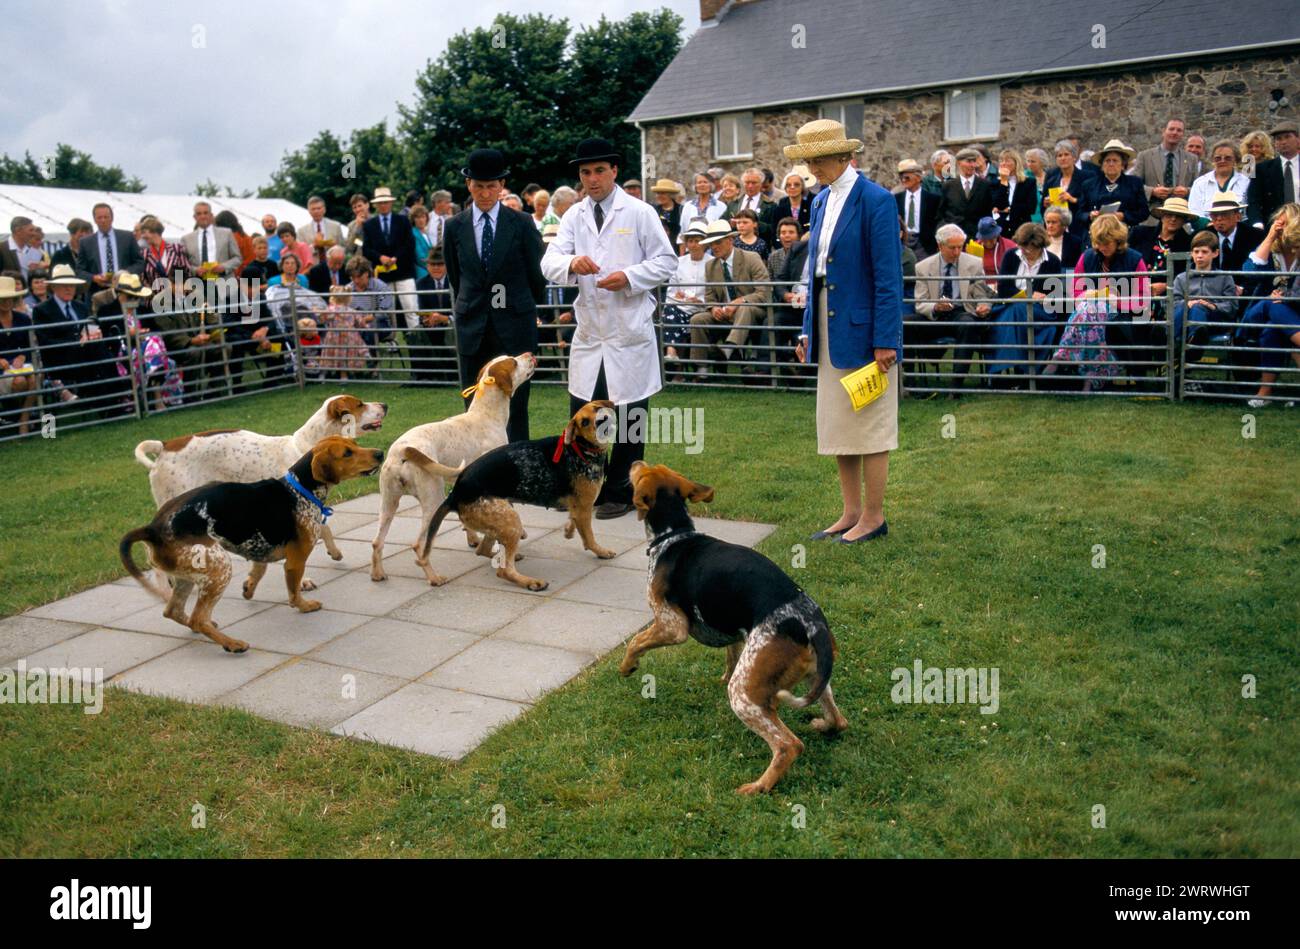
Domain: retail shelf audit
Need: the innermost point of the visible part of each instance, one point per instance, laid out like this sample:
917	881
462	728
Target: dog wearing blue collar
192	536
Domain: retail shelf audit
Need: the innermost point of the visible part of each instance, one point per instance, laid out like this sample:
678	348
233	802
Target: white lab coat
616	327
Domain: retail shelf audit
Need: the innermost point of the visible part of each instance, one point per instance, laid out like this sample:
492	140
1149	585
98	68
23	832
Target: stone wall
1217	99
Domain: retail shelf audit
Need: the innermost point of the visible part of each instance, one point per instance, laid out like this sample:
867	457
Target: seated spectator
262	256
1156	243
1037	274
746	223
192	337
143	353
1083	341
1036	164
1064	186
737	294
1016	198
303	251
787	235
685	294
18	382
37	292
704	206
1201	295
309	346
243	241
1066	246
1277	318
75	351
665	192
163	259
433	357
1235	240
941	169
953	300
420	231
373	298
328	273
796	201
1223	178
996	247
344	350
21	285
257	336
1113	190
290	272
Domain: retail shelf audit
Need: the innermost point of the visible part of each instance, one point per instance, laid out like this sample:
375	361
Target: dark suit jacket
400	244
9	260
126	254
60	341
929	222
1143	240
431	298
1264	196
1071	248
965	212
515	265
318	278
1129	192
766	216
1244	241
1050	267
1022	205
783	210
1078	182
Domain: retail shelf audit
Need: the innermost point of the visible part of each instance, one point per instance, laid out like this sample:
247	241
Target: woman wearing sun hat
666	193
1114	187
853	316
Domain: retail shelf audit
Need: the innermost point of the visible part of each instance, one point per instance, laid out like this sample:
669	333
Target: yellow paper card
975	247
1054	197
865	385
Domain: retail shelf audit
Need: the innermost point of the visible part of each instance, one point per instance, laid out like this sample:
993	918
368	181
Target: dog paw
335	554
378	576
568	530
536	585
307	584
236	645
248	590
604	553
754	787
437	581
308	606
829	727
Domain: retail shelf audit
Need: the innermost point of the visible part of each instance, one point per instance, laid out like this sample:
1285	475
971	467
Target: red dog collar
559	450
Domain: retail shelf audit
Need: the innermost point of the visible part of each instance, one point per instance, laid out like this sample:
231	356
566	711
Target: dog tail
819	637
439	515
132	538
423	461
144	449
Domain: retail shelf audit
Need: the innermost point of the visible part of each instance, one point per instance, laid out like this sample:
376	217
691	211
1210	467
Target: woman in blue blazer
1066	156
852	317
1113	186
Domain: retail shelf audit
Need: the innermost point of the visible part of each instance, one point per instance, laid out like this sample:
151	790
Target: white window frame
838	110
969	130
732	151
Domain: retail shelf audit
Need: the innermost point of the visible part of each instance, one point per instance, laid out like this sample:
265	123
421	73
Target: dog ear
570	431
323	460
503	372
604	403
700	493
642	501
343	406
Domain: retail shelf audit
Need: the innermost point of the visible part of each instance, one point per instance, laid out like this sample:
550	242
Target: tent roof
52	208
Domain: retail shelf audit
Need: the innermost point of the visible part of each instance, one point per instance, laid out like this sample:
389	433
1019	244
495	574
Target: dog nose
379	455
384	406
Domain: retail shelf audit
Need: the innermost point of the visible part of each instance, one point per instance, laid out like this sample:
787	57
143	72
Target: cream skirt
840	430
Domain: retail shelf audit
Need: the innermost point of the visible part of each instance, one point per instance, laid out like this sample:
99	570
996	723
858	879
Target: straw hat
666	186
1176	206
910	166
64	276
130	284
717	231
1115	145
697	228
382	195
550	232
821	137
1228	201
9	289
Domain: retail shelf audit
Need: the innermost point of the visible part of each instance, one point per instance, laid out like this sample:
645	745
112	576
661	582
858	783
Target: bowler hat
486	164
595	149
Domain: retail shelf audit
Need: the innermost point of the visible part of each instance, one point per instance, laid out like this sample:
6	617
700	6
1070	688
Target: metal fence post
299	361
1173	387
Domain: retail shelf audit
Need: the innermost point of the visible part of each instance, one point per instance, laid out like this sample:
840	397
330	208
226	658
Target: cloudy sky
122	79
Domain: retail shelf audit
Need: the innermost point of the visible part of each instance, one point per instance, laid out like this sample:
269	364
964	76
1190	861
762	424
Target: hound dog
266	521
729	596
184	463
421	458
561	470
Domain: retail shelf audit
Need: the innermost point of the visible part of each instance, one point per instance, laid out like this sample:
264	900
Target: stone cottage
909	77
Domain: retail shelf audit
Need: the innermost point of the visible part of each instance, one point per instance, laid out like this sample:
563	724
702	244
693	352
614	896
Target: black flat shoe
611	509
826	535
880	531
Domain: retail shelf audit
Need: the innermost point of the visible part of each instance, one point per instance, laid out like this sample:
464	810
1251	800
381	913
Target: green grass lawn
1120	686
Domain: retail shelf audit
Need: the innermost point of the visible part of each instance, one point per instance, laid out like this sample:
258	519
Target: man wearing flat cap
853	317
1277	180
492	255
616	251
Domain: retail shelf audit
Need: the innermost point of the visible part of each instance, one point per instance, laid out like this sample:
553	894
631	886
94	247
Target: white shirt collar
845	181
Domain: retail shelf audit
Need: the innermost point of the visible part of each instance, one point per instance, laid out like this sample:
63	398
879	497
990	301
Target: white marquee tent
52	208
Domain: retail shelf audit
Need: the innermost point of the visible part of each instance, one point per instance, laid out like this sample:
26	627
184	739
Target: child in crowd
746	222
309	348
1201	296
344	350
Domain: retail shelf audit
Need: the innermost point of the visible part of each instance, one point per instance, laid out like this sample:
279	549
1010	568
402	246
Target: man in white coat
616	251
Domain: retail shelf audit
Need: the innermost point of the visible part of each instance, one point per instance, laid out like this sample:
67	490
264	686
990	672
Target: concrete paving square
432	669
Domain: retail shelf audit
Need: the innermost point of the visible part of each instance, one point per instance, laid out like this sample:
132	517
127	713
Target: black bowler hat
595	149
485	164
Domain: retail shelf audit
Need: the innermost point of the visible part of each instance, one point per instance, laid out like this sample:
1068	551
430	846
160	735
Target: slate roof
870	47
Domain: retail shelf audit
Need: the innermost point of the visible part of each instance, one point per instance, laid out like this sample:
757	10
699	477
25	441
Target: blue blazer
864	277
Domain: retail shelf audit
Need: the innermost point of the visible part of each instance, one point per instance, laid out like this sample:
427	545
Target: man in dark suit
329	272
1277	180
75	348
1236	241
432	342
917	208
106	251
493	259
969	196
752	198
387	241
11	248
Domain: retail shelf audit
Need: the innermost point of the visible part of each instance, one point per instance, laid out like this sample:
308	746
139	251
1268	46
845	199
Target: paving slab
369	504
394	647
151	619
403	530
608	586
355	592
98	605
431	720
447	563
355	553
285	630
200	672
578	627
558	573
502	669
111	650
555	545
470	609
747	533
25	634
311	694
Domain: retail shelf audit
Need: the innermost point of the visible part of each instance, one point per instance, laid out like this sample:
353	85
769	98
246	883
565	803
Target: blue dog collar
294	483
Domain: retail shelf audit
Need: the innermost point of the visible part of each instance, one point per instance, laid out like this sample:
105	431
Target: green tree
210	189
66	168
336	169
